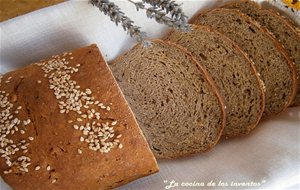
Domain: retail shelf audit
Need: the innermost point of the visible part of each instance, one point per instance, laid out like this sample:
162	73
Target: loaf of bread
232	72
66	125
175	101
271	61
280	27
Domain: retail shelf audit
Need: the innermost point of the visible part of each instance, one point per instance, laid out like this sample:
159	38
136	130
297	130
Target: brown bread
175	102
232	72
276	69
280	27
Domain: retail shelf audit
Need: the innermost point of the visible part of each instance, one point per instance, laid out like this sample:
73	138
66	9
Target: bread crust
56	142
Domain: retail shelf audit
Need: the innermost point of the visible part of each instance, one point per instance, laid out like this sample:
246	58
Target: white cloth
269	156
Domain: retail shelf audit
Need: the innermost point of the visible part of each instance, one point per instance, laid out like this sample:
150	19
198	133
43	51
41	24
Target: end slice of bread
175	101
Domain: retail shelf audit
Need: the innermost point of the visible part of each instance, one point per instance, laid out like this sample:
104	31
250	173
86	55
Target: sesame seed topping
99	135
48	168
88	91
37	168
120	146
79	151
31	138
54	181
39	81
22	132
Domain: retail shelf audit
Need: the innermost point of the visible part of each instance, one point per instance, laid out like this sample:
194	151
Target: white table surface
269	157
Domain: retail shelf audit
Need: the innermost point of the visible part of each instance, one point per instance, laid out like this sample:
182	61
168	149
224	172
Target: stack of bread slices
239	64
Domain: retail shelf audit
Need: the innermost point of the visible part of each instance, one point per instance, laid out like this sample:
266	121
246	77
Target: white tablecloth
269	158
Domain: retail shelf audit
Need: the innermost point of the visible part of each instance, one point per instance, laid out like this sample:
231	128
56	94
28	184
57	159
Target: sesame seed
48	168
81	139
54	180
76	127
70	121
119	136
84	116
62	111
71	57
39	81
108	108
37	168
31	138
114	123
79	119
79	151
22	132
120	146
88	91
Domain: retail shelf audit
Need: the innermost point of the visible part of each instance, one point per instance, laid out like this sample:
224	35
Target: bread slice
233	74
175	102
67	104
279	27
276	69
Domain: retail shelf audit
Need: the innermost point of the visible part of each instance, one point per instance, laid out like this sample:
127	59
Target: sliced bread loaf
174	100
233	74
271	61
279	27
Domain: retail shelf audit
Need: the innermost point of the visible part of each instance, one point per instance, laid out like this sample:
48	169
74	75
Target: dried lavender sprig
117	16
171	7
178	22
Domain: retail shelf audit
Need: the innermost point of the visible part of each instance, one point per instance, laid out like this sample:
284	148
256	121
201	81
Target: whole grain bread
233	74
175	101
66	125
276	69
279	27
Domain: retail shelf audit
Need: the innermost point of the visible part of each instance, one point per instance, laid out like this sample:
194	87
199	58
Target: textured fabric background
269	157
